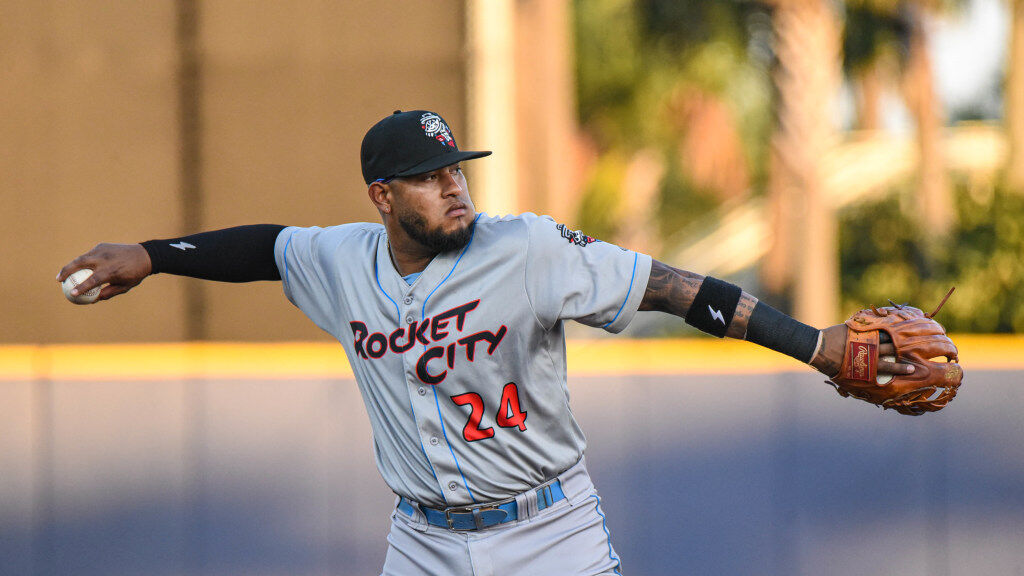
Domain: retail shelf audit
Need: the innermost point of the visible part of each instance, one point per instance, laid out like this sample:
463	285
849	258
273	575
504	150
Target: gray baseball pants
569	538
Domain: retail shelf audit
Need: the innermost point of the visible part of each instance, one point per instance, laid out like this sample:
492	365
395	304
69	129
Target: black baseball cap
408	143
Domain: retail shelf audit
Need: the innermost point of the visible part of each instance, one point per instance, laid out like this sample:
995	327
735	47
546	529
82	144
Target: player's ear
380	195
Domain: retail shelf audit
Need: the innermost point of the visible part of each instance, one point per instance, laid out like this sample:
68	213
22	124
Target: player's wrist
150	258
714	306
145	261
828	353
777	331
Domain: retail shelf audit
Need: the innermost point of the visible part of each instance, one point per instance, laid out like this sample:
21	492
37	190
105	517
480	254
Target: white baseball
76	279
885	379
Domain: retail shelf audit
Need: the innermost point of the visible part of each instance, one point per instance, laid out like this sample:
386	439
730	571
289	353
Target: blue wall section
716	474
778	475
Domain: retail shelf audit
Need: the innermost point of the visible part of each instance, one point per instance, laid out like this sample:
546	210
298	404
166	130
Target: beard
437	240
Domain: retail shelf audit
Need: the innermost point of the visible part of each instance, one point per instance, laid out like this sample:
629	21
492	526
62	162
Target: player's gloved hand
833	345
120	266
900	332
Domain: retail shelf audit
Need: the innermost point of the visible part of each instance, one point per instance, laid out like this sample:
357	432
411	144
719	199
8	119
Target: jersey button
422	391
433	440
408	319
408	300
453	486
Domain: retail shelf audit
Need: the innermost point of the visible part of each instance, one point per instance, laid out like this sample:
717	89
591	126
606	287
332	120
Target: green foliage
632	56
869	32
636	58
600	206
884	256
609	69
874	27
681	203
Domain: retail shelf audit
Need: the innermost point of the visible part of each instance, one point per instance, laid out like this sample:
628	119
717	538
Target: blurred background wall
825	155
125	121
213	460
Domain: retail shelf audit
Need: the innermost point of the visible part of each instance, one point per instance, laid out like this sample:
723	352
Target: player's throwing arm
240	254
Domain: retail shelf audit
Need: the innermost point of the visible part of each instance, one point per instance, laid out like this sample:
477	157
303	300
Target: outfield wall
711	457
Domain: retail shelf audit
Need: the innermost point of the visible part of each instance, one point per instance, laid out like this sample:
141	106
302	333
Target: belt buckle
448	517
474	513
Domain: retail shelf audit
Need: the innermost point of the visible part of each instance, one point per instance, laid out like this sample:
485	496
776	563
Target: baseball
74	280
885	379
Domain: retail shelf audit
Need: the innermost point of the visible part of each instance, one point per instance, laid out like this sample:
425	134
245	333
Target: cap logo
435	128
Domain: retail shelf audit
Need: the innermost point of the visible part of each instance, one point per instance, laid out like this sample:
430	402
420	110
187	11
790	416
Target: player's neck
409	261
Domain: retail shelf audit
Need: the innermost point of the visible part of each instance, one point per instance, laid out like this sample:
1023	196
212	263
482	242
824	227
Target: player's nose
451	185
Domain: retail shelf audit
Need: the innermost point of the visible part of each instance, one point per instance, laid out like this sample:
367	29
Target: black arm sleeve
777	331
240	254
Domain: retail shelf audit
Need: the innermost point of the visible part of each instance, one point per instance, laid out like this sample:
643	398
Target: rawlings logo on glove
919	340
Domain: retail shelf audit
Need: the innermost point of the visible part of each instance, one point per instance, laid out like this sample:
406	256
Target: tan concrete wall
546	110
90	141
291	89
87	153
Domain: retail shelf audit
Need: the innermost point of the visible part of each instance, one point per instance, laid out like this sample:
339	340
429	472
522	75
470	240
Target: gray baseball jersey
463	372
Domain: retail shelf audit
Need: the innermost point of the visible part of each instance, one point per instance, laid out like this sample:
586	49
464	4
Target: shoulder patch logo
575	236
435	128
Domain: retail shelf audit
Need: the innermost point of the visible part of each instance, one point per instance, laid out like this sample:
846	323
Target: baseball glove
919	340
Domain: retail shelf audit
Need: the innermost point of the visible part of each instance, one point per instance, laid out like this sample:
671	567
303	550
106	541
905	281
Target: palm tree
806	77
879	27
1014	98
934	192
668	96
870	38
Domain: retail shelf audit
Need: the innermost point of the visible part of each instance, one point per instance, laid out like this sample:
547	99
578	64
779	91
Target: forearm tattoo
672	290
745	307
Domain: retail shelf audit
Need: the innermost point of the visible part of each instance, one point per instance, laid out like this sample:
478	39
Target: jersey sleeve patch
575	236
598	283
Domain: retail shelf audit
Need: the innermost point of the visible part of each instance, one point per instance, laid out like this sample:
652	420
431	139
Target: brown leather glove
919	340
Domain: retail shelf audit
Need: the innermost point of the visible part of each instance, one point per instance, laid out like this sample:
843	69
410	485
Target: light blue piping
376	276
450	449
604	525
631	278
423	315
286	245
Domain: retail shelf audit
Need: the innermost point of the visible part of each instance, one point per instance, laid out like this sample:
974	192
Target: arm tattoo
744	308
672	290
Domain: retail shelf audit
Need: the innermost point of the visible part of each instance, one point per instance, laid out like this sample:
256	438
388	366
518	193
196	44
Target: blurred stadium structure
854	171
127	121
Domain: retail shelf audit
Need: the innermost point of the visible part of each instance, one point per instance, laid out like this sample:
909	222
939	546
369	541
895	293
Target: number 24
509	413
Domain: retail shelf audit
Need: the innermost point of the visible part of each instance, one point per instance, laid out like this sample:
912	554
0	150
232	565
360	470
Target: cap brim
441	161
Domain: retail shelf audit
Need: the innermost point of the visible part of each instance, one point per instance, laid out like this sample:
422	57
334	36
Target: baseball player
453	322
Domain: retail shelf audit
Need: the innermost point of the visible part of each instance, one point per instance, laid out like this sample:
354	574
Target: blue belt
480	517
